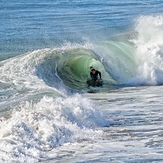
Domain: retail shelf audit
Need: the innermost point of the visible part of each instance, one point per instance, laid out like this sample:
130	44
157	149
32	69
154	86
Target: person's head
93	71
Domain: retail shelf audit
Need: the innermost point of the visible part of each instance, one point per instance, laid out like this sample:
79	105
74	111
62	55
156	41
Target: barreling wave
128	59
71	68
74	68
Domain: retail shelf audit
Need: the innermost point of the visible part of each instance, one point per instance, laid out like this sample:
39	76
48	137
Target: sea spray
149	51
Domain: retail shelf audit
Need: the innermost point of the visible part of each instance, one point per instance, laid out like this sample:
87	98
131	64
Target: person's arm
99	74
91	75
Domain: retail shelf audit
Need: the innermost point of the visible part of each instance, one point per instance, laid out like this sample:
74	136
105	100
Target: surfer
94	75
95	78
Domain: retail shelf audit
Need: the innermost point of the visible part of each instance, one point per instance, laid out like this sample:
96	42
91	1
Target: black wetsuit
95	76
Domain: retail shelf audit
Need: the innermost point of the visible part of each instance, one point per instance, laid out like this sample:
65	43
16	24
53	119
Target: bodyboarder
95	78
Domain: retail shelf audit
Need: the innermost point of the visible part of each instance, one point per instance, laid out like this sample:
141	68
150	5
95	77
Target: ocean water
46	112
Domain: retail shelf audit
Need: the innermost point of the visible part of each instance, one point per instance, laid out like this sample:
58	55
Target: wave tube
74	68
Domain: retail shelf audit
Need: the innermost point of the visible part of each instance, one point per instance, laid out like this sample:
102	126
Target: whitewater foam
32	129
148	53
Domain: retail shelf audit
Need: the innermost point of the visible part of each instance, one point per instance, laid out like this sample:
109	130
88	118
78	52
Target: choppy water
46	49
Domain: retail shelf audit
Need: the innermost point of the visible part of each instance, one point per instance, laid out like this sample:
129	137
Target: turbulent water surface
46	50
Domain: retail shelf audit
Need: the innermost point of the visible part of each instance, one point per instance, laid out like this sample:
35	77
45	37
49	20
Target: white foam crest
147	75
35	128
70	46
149	50
19	68
19	78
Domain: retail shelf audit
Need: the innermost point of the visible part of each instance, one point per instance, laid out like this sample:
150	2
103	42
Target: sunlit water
46	112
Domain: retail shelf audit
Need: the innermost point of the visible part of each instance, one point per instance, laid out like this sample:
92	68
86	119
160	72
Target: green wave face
74	68
120	63
118	59
115	60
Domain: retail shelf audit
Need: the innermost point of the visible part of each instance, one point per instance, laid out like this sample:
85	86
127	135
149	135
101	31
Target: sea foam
148	51
32	129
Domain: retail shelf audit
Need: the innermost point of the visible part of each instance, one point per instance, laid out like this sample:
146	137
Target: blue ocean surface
47	111
30	25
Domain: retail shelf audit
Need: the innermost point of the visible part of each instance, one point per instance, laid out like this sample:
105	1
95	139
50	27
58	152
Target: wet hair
93	69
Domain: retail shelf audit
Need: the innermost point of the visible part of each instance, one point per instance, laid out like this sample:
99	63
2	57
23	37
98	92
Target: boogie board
93	83
91	91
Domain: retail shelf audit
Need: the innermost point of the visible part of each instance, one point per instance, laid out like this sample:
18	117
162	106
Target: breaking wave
40	102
